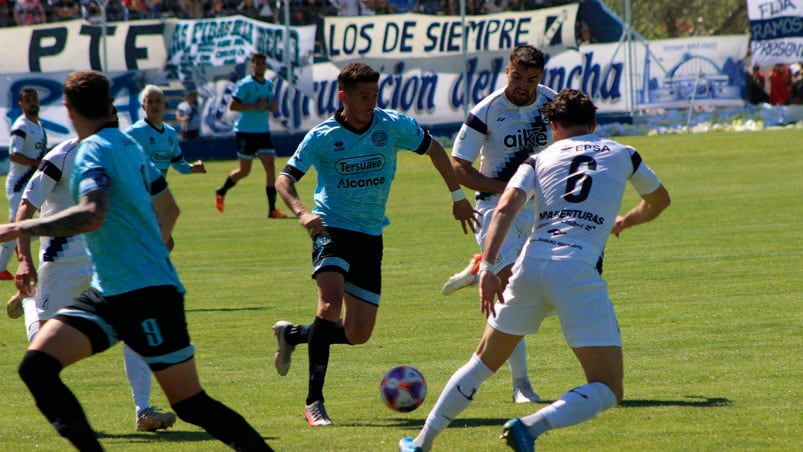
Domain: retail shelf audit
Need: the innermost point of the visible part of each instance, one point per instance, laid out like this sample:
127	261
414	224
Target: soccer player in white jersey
578	184
158	139
253	99
355	155
502	131
25	151
126	212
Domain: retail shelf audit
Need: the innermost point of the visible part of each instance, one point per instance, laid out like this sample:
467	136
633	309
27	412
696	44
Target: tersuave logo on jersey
363	164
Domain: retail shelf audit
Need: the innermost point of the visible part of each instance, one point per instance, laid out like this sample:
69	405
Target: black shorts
189	134
356	255
150	320
249	145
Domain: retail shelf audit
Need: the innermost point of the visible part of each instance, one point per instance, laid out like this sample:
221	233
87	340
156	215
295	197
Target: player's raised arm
648	209
461	208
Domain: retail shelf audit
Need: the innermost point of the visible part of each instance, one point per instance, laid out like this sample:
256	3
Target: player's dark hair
88	94
569	108
354	73
259	56
528	56
28	91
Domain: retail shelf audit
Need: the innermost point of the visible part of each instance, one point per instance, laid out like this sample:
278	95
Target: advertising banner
776	29
401	36
197	46
421	78
77	45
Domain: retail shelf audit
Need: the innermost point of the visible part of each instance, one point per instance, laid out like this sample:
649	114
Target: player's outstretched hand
466	215
490	288
25	278
618	226
198	167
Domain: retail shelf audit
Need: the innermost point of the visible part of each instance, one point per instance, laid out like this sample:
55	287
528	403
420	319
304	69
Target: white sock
6	251
139	377
518	362
31	317
580	404
455	397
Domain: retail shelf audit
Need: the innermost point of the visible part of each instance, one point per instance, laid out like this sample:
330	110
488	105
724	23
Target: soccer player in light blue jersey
354	153
158	139
253	98
126	212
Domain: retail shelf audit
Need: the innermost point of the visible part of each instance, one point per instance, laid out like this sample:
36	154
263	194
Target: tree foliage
660	19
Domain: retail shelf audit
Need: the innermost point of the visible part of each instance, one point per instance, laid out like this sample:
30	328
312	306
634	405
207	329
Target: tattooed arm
87	216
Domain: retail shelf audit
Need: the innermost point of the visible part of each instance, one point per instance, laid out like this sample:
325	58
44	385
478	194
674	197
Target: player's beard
33	110
521	97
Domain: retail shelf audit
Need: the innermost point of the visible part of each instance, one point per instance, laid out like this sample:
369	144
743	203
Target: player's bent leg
605	365
40	373
466	277
359	320
220	421
494	349
183	390
522	388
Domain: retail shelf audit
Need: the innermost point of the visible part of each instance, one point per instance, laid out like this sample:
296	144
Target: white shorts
13	204
572	289
59	283
516	239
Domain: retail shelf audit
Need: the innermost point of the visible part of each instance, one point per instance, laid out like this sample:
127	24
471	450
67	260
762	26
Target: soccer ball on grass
403	388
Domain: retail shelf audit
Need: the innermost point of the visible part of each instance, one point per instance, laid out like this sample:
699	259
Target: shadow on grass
256	308
418	423
696	402
165	436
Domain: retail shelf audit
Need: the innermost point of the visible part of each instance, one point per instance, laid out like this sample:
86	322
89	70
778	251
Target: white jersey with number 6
578	184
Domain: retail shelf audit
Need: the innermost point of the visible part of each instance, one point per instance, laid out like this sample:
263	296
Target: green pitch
708	298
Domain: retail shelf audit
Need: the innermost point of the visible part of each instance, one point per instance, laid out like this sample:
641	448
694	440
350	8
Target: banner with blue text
421	78
776	29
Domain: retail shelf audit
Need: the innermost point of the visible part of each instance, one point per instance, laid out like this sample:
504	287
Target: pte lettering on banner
75	45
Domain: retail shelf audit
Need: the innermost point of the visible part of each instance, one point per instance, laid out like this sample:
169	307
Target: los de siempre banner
419	57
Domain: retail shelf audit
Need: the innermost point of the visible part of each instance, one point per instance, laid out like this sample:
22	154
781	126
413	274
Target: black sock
226	186
271	192
221	422
320	336
40	372
297	334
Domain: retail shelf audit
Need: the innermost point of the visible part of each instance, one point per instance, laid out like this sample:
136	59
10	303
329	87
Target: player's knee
194	409
358	337
37	369
617	392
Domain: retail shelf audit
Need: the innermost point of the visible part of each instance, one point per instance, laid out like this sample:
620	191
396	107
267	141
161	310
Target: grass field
708	298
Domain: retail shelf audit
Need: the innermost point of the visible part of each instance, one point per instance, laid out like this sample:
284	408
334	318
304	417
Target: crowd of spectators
781	85
302	12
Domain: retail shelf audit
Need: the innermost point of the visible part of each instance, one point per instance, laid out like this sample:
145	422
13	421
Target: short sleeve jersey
355	168
190	111
127	251
160	145
250	91
503	135
30	140
578	184
49	191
